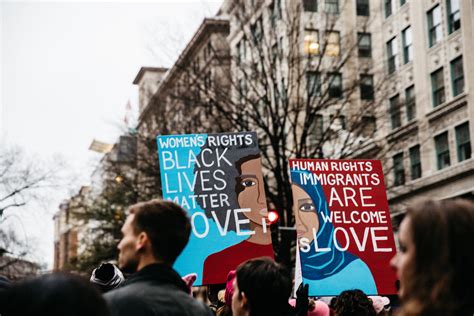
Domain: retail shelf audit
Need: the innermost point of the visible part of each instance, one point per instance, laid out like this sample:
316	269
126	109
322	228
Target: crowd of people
434	267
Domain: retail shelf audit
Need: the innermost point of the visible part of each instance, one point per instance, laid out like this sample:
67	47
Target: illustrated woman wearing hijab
244	179
330	272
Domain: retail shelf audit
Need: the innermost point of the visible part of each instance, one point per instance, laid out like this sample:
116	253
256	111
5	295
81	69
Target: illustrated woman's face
305	213
405	258
253	194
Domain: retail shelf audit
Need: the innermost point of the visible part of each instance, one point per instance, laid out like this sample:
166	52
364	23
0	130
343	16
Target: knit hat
107	277
229	288
319	309
189	280
379	302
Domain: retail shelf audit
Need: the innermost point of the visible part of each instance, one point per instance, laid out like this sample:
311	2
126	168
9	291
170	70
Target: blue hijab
318	266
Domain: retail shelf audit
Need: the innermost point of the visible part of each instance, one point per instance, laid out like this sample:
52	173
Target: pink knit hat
229	288
189	280
379	302
320	308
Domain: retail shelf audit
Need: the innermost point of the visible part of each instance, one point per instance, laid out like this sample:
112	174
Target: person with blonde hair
435	264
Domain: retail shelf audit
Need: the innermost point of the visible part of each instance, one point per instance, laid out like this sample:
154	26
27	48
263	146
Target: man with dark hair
154	234
261	287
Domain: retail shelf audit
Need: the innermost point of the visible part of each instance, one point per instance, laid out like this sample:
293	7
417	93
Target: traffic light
273	217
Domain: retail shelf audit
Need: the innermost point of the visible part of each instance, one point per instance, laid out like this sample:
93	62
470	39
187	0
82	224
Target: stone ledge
439	178
446	108
403	131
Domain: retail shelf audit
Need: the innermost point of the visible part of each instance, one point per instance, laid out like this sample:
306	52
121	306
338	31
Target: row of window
332	6
457	81
316	130
434	18
438	93
313	85
392	50
435	33
312	46
395	107
443	156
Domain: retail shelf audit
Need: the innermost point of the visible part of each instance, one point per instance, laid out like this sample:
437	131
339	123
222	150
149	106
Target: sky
67	69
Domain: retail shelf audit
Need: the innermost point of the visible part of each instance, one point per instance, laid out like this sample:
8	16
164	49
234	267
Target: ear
244	302
141	241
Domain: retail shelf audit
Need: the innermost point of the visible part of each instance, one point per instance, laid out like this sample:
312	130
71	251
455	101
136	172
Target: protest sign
344	231
218	179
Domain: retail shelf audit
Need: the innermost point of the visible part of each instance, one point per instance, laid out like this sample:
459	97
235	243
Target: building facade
431	101
397	67
69	231
412	57
76	231
182	101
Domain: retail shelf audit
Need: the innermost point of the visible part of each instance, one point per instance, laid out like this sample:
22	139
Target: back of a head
442	275
54	295
166	225
353	303
266	284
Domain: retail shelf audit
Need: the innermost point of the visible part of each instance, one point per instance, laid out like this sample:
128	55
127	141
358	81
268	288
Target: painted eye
248	183
307	207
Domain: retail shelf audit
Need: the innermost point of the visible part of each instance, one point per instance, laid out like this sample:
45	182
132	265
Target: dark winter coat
154	290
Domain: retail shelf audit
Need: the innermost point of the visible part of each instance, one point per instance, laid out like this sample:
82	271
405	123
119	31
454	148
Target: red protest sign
345	237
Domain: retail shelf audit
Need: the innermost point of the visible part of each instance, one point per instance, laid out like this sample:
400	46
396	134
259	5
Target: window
442	150
310	5
338	122
311	42
195	65
332	6
437	87
389	8
415	162
332	44
316	130
454	16
392	52
208	80
242	90
364	45
257	32
434	26
274	54
313	80
275	11
283	89
276	93
463	141
402	2
366	87
410	103
395	115
457	76
407	45
363	8
241	51
368	126
208	51
399	171
335	85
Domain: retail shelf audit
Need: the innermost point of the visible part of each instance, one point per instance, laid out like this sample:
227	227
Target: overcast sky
66	75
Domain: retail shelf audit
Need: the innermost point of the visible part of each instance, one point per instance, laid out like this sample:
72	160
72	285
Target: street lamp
119	179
